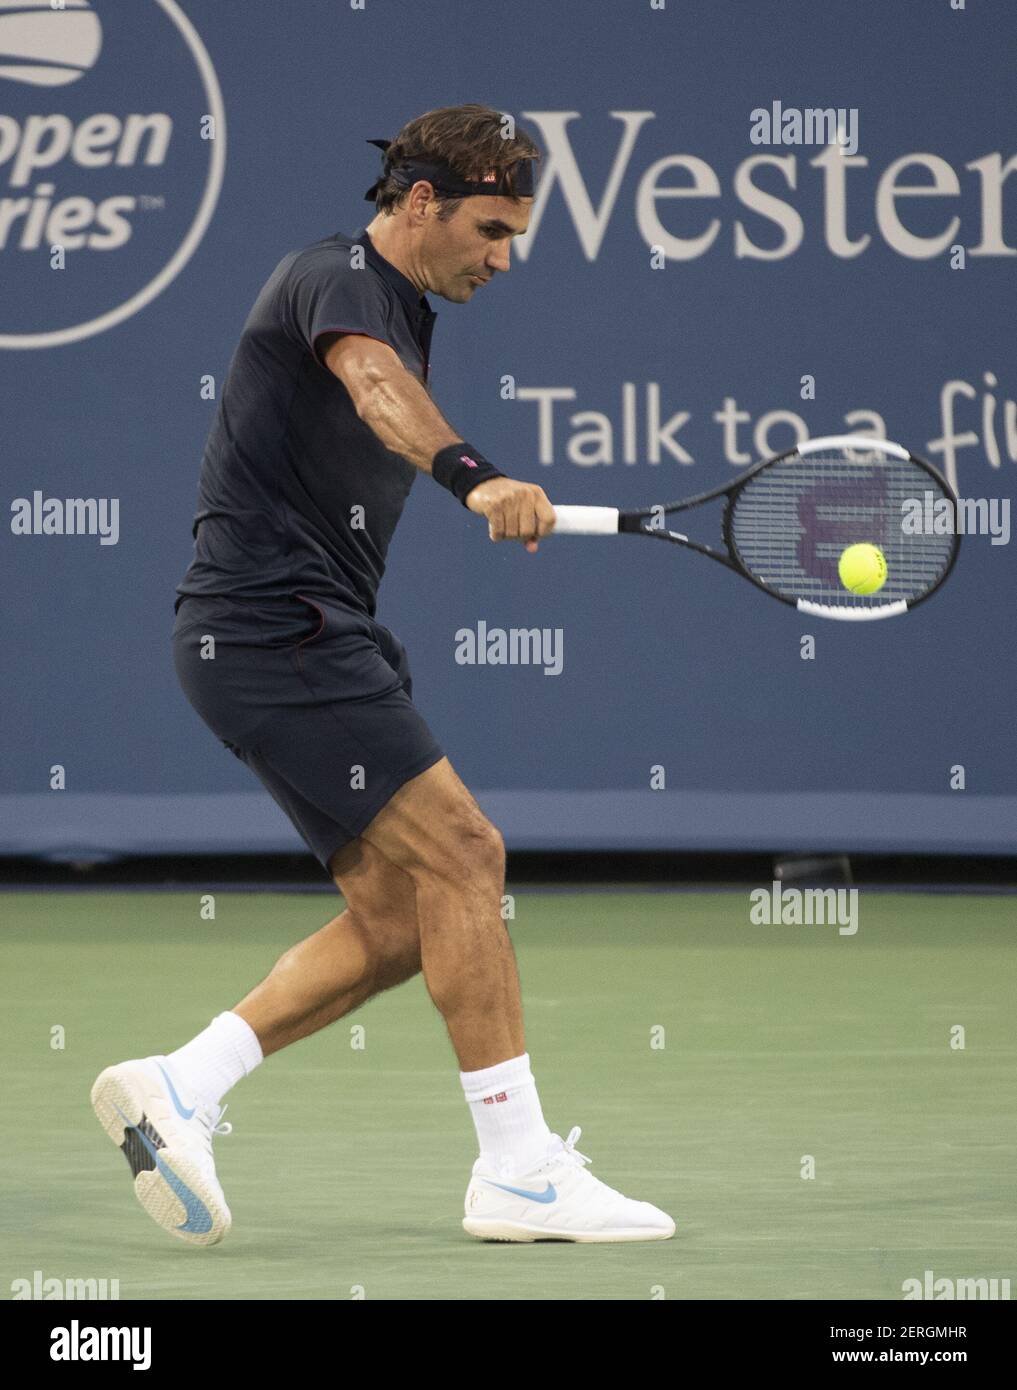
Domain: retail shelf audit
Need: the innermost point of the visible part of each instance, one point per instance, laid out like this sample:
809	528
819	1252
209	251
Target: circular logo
112	154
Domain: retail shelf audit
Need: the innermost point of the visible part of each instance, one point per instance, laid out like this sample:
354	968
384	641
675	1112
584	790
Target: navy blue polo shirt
297	494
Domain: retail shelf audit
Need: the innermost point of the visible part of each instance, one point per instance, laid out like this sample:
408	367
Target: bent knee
469	851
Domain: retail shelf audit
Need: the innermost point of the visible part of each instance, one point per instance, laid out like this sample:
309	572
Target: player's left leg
372	946
162	1111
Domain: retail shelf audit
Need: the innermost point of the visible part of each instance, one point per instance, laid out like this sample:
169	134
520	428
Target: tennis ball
862	569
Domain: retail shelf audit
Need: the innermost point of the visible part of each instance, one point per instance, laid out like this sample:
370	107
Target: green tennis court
703	1057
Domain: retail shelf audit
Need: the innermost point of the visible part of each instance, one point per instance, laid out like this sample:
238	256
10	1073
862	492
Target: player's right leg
434	831
528	1184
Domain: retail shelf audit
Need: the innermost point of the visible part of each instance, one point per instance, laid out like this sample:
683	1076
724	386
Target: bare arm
390	399
394	404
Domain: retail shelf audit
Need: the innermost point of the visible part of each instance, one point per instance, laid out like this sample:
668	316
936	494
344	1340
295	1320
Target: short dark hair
470	139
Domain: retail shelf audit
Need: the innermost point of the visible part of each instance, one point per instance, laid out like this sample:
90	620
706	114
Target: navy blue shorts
315	697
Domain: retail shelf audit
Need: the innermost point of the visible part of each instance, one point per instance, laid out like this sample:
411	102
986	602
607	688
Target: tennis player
323	424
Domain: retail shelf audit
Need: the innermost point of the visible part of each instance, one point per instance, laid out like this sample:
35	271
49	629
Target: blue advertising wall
177	150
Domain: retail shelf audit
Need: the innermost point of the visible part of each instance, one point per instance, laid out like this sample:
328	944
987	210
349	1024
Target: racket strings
791	523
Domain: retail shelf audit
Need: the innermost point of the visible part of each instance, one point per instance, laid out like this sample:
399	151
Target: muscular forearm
397	407
405	419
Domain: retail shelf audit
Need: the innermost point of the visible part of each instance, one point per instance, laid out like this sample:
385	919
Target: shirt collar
402	285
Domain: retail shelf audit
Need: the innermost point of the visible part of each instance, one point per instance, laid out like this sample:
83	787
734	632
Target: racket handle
585	521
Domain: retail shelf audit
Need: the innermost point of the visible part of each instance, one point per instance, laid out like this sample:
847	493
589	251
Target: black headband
445	180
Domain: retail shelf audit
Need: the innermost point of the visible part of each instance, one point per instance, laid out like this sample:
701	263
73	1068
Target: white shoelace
570	1148
572	1154
211	1122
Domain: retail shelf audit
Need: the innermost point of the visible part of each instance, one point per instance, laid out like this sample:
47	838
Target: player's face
467	250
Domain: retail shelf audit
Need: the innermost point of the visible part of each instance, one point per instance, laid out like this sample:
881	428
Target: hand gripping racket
788	520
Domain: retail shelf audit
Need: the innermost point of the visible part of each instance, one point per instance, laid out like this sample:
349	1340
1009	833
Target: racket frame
630	523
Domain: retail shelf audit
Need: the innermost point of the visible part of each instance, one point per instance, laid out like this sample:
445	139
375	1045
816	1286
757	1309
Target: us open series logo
112	153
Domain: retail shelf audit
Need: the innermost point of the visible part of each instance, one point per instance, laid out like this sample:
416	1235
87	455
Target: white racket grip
585	521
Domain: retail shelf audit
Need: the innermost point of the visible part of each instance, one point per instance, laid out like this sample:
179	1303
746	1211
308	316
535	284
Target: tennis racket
787	521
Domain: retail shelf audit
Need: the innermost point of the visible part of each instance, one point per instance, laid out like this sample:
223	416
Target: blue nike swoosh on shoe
173	1094
548	1195
199	1218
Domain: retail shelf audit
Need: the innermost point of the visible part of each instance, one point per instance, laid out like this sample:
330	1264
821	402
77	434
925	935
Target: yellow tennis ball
862	569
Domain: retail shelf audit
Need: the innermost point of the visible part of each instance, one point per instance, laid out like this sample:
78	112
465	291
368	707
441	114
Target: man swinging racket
324	421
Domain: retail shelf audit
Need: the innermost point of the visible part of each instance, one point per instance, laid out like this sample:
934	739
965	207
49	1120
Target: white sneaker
557	1200
168	1145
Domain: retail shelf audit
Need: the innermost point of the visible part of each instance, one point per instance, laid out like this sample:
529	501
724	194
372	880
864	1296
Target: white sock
506	1112
216	1059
